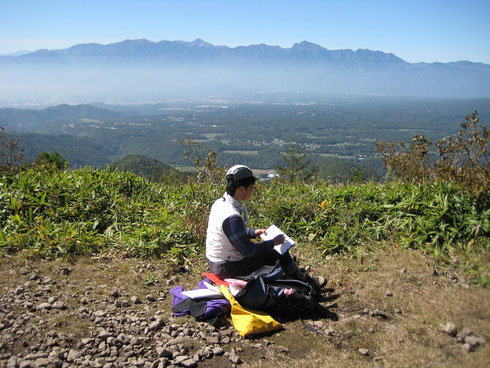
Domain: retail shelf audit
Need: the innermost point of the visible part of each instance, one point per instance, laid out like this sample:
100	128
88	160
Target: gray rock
156	325
114	293
218	350
40	362
474	341
43	306
467	347
450	329
234	358
135	340
163	352
59	305
86	341
135	300
466	331
104	335
179	359
12	362
364	351
100	313
212	339
189	363
123	339
122	303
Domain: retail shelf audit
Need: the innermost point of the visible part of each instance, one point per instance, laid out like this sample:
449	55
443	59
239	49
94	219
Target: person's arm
234	229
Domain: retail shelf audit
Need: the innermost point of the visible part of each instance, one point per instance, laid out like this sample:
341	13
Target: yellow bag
248	322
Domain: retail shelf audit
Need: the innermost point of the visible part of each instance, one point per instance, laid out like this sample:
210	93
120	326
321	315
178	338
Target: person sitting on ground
229	250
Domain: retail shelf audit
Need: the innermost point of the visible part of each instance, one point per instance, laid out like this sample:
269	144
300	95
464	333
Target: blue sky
415	30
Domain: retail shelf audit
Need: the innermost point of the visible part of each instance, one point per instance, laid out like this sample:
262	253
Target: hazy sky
415	30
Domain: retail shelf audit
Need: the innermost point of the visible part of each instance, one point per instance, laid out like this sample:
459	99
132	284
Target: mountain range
143	68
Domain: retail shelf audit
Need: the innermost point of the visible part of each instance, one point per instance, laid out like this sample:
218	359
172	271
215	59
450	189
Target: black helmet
237	176
239	172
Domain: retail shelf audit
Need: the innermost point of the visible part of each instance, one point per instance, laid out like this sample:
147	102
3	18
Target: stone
100	313
179	359
450	329
114	293
156	325
85	341
189	363
467	347
41	362
104	335
135	300
218	350
12	362
163	352
43	306
364	351
474	341
135	340
319	324
234	358
466	331
59	305
122	303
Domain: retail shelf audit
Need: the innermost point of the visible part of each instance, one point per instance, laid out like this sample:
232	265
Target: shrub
461	159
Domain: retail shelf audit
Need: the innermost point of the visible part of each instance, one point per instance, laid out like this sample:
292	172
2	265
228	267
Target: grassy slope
51	214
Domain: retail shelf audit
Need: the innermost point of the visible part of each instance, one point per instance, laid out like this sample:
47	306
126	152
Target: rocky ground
394	310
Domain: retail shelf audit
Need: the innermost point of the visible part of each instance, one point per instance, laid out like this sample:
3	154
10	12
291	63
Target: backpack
284	298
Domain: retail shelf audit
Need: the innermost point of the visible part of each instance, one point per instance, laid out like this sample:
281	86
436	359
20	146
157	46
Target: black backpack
284	298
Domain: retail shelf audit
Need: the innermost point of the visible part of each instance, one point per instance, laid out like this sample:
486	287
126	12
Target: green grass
52	213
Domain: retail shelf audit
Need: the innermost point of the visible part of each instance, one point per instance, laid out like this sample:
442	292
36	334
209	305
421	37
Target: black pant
229	269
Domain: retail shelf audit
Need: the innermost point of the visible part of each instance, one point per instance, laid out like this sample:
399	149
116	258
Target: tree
11	154
298	164
203	160
53	159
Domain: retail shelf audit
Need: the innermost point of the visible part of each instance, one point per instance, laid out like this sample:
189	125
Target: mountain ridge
162	47
135	69
303	46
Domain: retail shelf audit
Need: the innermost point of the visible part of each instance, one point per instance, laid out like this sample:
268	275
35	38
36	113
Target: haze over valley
146	71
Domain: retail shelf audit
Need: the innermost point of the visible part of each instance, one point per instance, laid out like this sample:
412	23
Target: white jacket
218	246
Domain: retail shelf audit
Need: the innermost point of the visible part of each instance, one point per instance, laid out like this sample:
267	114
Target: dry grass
398	282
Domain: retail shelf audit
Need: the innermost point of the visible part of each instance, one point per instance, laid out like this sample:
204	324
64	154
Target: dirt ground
392	306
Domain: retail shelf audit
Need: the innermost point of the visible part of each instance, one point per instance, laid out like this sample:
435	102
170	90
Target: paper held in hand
272	232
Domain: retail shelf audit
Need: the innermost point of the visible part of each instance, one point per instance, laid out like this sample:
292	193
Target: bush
461	159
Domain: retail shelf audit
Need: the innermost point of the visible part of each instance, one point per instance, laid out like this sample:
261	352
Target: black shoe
318	282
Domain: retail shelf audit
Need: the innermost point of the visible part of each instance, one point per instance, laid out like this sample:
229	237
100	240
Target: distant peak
305	45
196	43
200	43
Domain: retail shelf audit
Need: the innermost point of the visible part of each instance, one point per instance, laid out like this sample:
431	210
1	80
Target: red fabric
215	279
